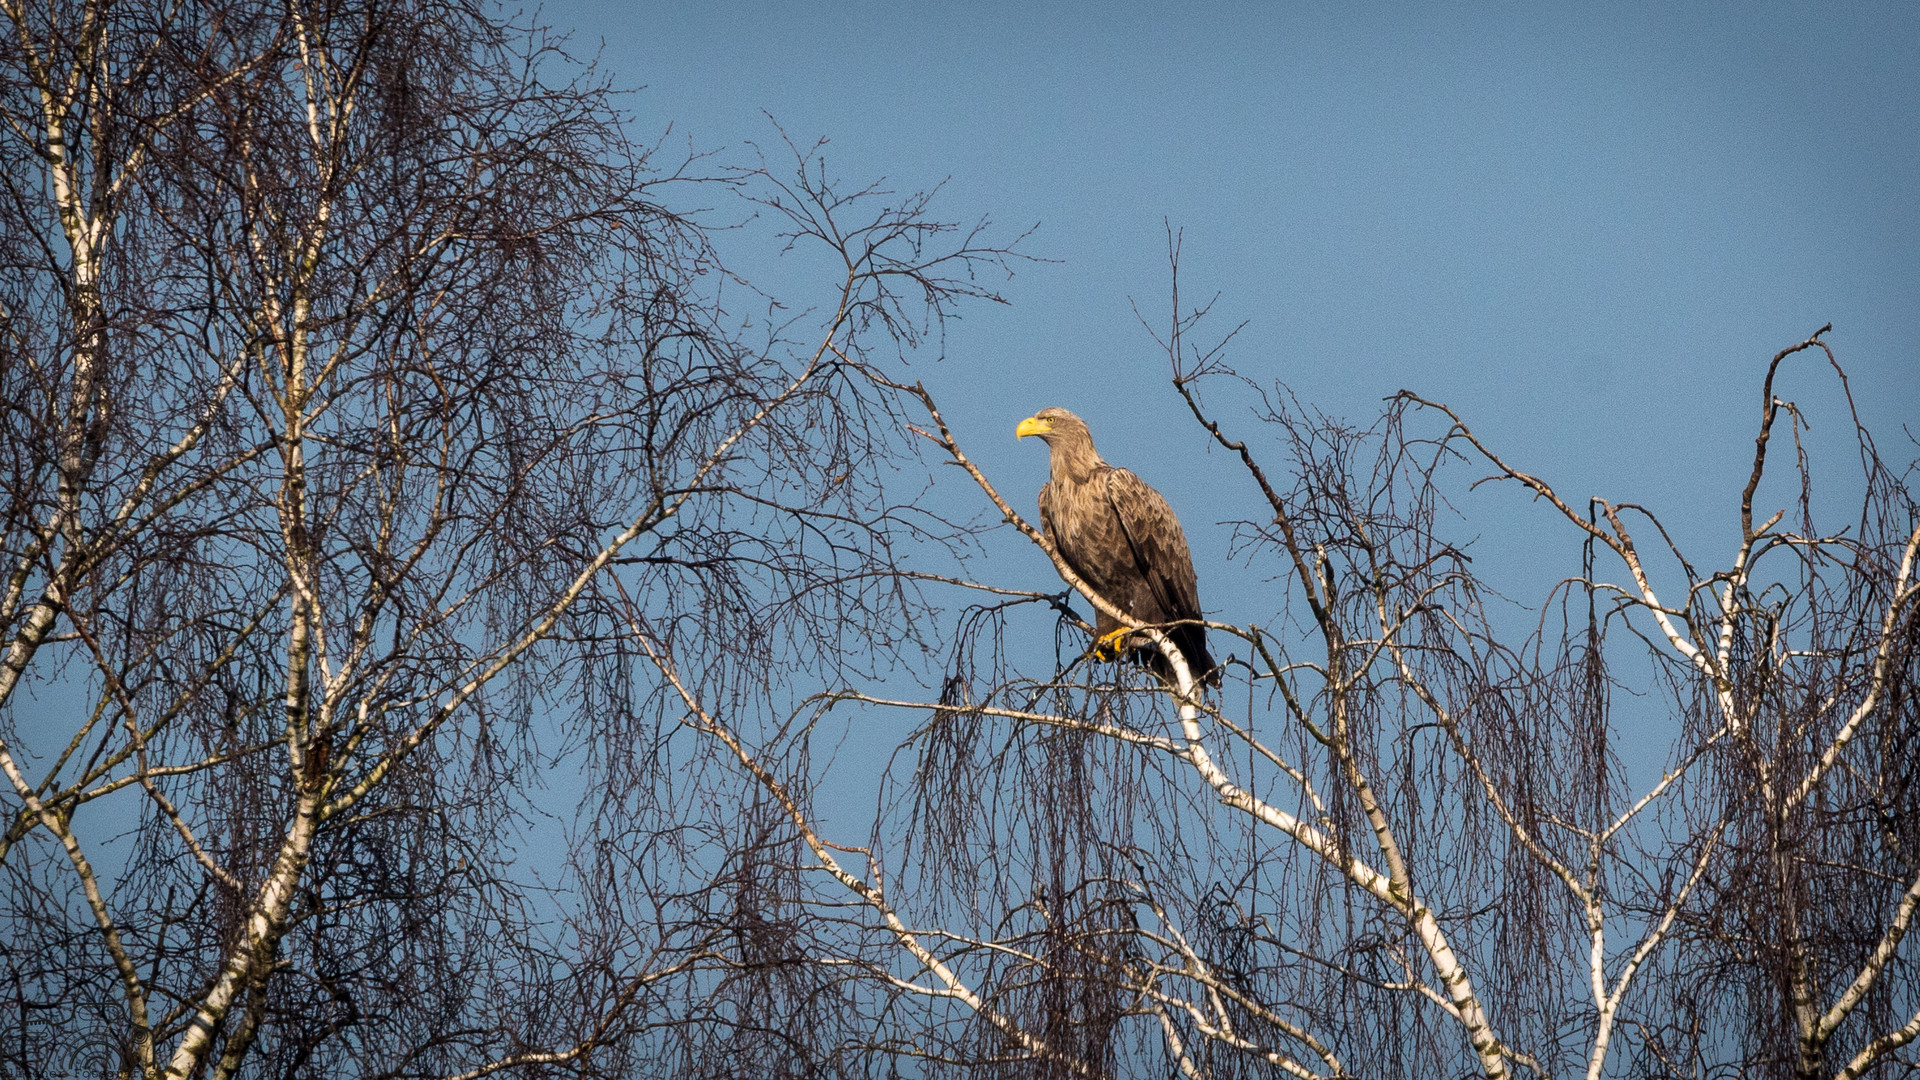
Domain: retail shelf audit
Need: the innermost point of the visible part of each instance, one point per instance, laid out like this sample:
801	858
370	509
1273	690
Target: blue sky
1587	227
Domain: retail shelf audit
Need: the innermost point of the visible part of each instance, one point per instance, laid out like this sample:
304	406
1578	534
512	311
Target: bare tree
357	377
1401	842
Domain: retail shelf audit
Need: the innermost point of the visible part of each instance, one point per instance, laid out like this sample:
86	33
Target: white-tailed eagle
1121	537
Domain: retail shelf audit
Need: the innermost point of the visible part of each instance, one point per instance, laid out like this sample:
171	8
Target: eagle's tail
1192	643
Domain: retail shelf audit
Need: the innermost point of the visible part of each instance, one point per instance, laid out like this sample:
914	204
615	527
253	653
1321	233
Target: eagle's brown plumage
1121	537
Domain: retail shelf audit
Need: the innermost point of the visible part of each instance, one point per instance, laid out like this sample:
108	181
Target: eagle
1120	537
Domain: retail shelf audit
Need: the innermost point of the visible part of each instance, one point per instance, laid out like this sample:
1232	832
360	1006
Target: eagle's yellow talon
1107	647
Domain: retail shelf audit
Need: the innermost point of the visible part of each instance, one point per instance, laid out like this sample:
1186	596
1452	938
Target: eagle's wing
1049	514
1159	547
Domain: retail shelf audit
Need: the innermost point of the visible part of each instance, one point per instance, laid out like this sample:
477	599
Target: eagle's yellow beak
1032	425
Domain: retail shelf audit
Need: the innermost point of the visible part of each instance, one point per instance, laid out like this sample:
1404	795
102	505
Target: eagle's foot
1109	645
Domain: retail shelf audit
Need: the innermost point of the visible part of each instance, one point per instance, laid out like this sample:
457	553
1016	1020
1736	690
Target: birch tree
354	367
1400	840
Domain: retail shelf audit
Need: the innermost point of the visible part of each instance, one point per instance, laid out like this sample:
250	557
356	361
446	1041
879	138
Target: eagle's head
1052	424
